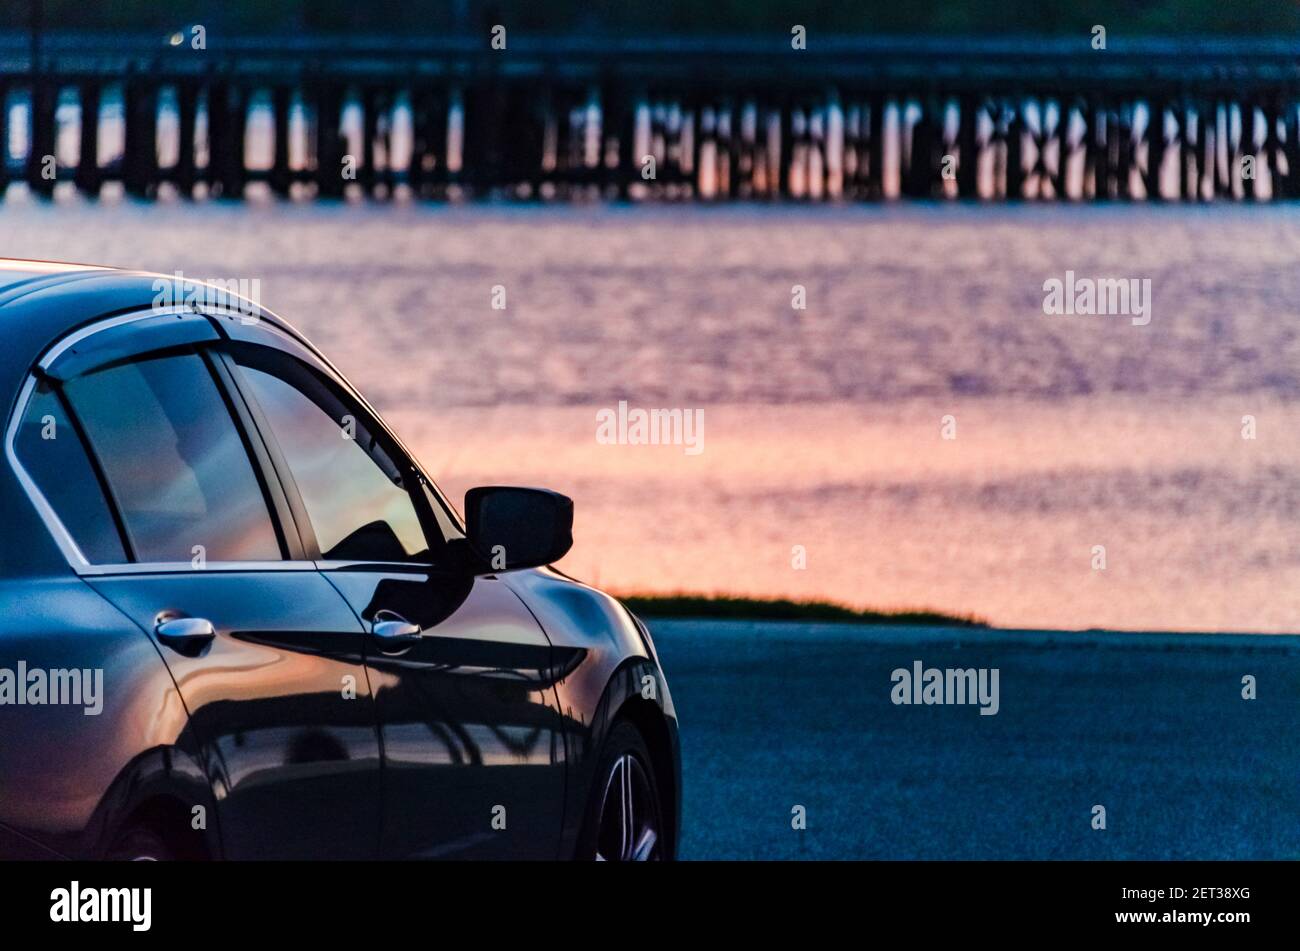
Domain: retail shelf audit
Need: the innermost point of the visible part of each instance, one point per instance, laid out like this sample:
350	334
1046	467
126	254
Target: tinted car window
51	451
174	461
355	494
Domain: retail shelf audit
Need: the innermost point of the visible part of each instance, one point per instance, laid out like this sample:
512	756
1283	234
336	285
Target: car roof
42	301
15	271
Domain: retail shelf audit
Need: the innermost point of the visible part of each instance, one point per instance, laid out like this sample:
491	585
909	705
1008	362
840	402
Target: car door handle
393	630
187	635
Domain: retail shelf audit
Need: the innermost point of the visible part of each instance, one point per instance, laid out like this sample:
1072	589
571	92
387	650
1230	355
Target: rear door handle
185	635
394	631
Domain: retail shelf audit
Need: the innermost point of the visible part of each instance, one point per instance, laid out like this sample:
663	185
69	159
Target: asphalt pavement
1151	727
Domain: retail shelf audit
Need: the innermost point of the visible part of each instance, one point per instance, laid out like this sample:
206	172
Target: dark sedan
238	619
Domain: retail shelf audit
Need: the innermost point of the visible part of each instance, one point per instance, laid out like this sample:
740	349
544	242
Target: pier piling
556	119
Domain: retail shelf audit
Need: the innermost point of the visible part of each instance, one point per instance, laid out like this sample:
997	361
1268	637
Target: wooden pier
848	119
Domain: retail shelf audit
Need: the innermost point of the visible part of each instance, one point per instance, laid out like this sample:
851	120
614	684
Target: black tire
141	844
624	773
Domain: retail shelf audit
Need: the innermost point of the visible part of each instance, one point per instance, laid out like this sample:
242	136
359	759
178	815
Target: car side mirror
512	527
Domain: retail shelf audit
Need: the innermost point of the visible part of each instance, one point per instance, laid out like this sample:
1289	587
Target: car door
265	653
460	668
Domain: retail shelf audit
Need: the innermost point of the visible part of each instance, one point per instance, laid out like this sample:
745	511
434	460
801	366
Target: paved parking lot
1153	727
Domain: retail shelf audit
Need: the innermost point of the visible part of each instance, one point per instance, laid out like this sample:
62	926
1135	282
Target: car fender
605	666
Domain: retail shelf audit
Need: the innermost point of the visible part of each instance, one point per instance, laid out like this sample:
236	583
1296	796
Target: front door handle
394	631
186	635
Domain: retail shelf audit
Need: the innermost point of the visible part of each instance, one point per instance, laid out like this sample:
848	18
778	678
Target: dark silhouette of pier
658	118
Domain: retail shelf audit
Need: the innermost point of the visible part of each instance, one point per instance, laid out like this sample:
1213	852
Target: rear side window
174	461
50	449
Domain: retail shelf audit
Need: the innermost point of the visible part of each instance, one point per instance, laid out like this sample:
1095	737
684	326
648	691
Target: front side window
174	461
51	451
355	492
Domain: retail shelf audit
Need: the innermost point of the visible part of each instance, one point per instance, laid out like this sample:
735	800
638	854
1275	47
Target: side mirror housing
510	527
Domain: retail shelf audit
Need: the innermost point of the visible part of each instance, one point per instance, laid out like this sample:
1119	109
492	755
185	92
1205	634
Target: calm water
822	427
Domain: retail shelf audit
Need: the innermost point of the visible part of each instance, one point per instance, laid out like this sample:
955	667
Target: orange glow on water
999	522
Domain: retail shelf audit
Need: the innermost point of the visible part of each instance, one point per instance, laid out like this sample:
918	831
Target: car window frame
232	327
421	501
239	328
294	556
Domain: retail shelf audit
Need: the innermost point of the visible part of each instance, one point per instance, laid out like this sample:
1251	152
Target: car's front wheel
624	816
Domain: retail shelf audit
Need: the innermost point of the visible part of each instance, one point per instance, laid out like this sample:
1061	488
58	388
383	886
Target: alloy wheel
629	815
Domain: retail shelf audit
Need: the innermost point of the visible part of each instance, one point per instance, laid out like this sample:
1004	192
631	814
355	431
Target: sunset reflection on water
822	426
